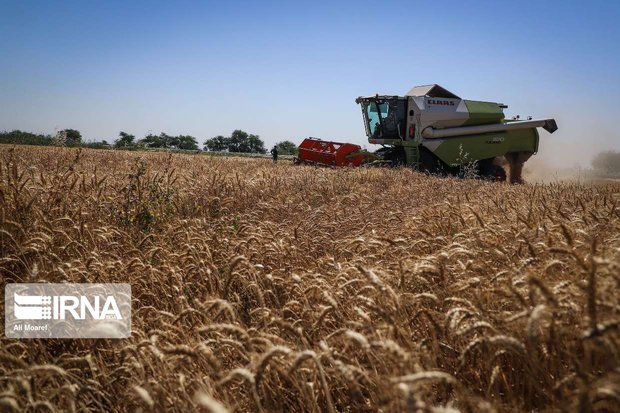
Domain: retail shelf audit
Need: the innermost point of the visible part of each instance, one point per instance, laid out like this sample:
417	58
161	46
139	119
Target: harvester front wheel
392	155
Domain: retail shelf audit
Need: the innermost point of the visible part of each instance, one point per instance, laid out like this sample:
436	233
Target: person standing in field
274	153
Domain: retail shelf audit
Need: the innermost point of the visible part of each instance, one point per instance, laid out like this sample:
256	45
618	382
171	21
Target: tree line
239	141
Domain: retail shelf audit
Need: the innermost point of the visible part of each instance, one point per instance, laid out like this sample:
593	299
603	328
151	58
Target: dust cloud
567	154
540	170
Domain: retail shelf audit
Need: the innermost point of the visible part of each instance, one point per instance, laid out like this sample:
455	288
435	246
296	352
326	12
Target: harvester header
329	153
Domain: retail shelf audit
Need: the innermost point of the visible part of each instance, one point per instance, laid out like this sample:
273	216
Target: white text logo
67	310
40	307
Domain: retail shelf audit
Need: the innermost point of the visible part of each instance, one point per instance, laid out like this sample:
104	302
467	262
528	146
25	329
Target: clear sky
292	69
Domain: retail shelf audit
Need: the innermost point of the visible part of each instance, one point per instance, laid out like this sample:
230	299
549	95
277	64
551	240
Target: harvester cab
384	117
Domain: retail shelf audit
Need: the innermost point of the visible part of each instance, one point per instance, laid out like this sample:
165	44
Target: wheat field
262	287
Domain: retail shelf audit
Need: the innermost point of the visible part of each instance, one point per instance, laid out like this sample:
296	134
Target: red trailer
328	153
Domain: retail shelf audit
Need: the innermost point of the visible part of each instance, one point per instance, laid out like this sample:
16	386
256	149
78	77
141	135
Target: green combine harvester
433	130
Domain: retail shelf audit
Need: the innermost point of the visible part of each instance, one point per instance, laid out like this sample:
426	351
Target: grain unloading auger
434	130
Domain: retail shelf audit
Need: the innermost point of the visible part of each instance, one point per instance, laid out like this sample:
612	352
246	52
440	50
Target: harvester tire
515	163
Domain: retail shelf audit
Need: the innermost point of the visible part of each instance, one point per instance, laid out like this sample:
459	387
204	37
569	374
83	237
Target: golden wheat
269	287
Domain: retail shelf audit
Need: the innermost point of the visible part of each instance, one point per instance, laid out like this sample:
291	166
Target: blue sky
292	69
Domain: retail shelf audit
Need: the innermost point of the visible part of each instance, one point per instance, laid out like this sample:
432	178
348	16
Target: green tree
24	138
243	142
216	144
171	141
124	140
286	148
187	142
238	141
163	140
256	145
72	137
154	141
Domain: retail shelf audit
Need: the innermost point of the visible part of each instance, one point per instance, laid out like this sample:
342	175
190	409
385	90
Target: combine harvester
435	131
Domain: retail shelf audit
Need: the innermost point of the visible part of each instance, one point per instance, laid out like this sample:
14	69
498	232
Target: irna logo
45	307
67	310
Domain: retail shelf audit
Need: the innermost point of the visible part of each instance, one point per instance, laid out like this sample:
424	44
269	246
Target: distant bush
286	148
97	145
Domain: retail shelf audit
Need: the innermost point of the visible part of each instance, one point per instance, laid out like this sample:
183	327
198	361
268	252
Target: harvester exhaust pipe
548	124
